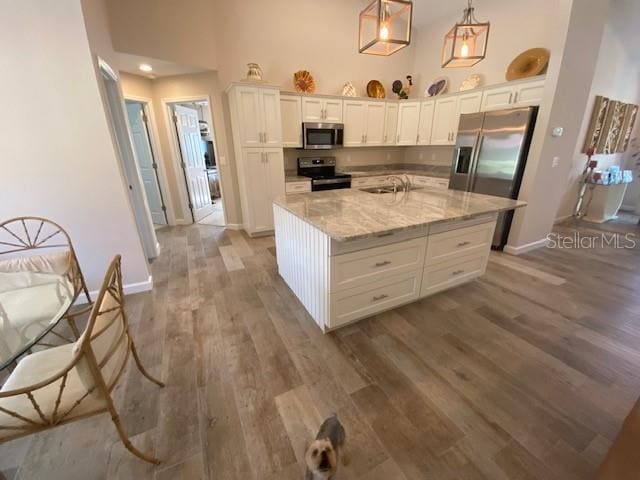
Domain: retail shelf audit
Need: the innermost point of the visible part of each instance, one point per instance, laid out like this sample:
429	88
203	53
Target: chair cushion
38	367
58	262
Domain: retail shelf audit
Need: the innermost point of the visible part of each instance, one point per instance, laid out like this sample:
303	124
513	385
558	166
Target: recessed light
145	67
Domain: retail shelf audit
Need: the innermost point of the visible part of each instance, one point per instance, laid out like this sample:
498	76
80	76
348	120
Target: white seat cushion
35	368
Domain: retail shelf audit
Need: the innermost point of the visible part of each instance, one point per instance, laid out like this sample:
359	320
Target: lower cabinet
452	272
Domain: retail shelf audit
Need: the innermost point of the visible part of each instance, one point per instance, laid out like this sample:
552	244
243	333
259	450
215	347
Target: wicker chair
73	381
40	245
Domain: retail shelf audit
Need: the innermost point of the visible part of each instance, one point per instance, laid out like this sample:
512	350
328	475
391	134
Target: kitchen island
349	254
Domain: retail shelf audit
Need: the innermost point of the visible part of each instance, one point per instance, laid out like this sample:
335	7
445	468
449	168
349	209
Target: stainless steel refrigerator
490	156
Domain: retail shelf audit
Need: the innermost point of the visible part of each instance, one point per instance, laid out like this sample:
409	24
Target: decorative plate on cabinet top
375	89
304	82
438	87
529	63
471	82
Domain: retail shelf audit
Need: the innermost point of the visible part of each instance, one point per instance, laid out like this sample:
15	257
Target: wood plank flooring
526	373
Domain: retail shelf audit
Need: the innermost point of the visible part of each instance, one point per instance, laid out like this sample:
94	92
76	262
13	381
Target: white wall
67	171
617	76
516	25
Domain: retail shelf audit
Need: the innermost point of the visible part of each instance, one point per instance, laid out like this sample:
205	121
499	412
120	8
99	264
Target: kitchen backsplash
352	157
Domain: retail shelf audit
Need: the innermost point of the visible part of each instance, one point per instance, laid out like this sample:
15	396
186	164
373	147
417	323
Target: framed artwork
596	125
627	128
612	130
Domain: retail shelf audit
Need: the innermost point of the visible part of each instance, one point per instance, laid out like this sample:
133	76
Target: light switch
555	162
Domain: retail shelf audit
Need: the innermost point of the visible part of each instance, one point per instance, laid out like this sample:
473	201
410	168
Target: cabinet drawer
432	182
359	302
442	246
360	182
366	266
456	271
385	238
297	187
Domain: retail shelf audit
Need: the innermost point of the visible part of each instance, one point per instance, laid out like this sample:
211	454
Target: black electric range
322	171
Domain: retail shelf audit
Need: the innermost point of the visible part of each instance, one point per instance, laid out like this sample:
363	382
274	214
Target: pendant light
385	27
466	43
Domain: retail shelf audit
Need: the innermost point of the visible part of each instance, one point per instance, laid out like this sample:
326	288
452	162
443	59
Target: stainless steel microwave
322	136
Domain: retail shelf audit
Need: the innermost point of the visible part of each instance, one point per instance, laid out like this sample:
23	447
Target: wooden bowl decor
375	89
529	63
304	82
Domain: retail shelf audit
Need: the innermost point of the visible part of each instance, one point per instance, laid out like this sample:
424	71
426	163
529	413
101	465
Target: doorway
146	158
118	121
196	155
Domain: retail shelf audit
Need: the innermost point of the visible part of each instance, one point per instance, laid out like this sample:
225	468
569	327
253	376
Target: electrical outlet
555	162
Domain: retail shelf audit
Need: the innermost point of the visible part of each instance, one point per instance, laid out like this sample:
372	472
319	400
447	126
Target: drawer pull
377	298
382	264
463	244
384	235
458	272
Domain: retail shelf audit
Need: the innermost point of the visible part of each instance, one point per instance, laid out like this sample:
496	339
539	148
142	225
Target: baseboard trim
561	219
234	226
526	248
628	208
129	289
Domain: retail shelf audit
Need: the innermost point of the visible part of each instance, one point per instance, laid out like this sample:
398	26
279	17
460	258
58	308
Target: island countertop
351	214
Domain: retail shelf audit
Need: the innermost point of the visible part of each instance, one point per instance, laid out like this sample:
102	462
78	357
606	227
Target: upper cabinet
291	113
258	111
364	123
521	94
390	123
445	118
426	122
408	120
319	109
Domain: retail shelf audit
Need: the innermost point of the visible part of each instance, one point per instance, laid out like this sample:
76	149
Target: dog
323	453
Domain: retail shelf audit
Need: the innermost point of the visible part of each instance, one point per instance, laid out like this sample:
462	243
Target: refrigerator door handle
474	164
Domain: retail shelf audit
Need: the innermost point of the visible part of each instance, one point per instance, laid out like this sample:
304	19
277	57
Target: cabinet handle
265	137
418	139
382	264
365	138
515	97
398	138
384	235
379	297
463	244
510	97
385	138
458	272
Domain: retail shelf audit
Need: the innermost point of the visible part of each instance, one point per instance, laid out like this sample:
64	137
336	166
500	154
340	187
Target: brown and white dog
323	453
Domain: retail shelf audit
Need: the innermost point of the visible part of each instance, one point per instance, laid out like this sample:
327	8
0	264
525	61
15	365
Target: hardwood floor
524	374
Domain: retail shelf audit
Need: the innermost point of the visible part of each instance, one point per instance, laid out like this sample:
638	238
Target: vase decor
254	73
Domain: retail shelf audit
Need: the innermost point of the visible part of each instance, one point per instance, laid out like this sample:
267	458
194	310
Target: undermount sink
386	189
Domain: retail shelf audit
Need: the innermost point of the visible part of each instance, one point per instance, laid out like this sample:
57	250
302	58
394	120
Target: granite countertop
351	214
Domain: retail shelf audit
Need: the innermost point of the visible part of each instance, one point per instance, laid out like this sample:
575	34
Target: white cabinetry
390	123
408	120
319	109
257	134
520	94
291	114
363	123
426	122
444	121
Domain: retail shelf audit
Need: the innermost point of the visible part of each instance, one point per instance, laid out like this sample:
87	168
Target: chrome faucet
404	181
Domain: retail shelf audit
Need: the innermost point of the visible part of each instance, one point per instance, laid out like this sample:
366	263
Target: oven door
322	136
330	184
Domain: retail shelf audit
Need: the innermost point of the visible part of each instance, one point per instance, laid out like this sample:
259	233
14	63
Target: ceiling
130	63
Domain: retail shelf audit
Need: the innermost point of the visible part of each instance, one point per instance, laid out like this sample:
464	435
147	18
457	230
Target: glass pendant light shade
385	27
466	43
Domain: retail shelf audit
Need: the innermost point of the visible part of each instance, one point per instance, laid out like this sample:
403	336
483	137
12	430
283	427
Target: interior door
374	132
193	164
354	123
146	162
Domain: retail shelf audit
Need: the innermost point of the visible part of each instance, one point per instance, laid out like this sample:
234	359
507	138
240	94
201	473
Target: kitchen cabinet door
374	133
426	122
497	98
250	116
444	117
274	160
408	118
312	109
258	190
291	116
355	113
529	93
332	111
467	103
271	121
390	123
